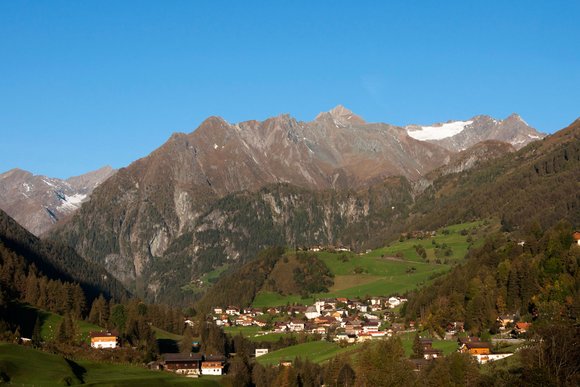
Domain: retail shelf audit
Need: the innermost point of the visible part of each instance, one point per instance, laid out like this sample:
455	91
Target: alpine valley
222	193
278	252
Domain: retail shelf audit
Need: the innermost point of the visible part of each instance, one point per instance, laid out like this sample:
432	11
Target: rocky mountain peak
341	116
38	202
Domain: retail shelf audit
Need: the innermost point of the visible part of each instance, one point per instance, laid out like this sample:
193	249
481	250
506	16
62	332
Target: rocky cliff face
38	202
460	135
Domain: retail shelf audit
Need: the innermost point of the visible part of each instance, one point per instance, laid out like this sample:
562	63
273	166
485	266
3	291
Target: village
341	320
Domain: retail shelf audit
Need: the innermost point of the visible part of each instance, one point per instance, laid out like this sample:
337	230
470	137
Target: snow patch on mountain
438	132
71	203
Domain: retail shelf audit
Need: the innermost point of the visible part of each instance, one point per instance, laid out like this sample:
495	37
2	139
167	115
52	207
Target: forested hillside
57	261
272	270
540	183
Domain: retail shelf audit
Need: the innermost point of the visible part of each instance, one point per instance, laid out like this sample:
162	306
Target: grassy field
51	321
26	366
256	334
315	351
389	270
26	318
451	236
447	346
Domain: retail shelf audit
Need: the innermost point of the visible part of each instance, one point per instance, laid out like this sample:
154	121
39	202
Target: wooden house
183	363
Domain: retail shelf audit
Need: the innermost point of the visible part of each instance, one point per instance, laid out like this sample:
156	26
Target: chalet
342	300
576	237
218	310
103	339
183	363
476	348
213	365
232	311
261	352
363	336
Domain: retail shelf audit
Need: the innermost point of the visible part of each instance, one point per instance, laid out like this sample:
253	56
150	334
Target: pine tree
418	349
187	340
36	336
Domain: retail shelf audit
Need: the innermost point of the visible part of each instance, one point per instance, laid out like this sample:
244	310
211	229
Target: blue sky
89	83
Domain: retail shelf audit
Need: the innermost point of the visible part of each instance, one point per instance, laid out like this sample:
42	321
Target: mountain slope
539	183
224	192
58	261
38	202
460	135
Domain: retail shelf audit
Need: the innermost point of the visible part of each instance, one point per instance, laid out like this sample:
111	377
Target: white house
261	352
311	312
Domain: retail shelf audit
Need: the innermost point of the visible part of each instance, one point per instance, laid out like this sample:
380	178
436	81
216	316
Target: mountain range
223	192
38	202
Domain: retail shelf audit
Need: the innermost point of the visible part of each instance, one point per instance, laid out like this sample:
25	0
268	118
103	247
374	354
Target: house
296	326
261	352
183	363
429	352
103	339
363	336
371	326
213	365
232	311
311	312
346	337
476	348
218	310
576	237
394	302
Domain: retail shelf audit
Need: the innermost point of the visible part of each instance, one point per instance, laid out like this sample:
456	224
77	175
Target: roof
476	344
104	334
215	358
182	357
576	235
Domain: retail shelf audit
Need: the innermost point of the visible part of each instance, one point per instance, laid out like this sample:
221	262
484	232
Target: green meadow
26	366
315	351
389	270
